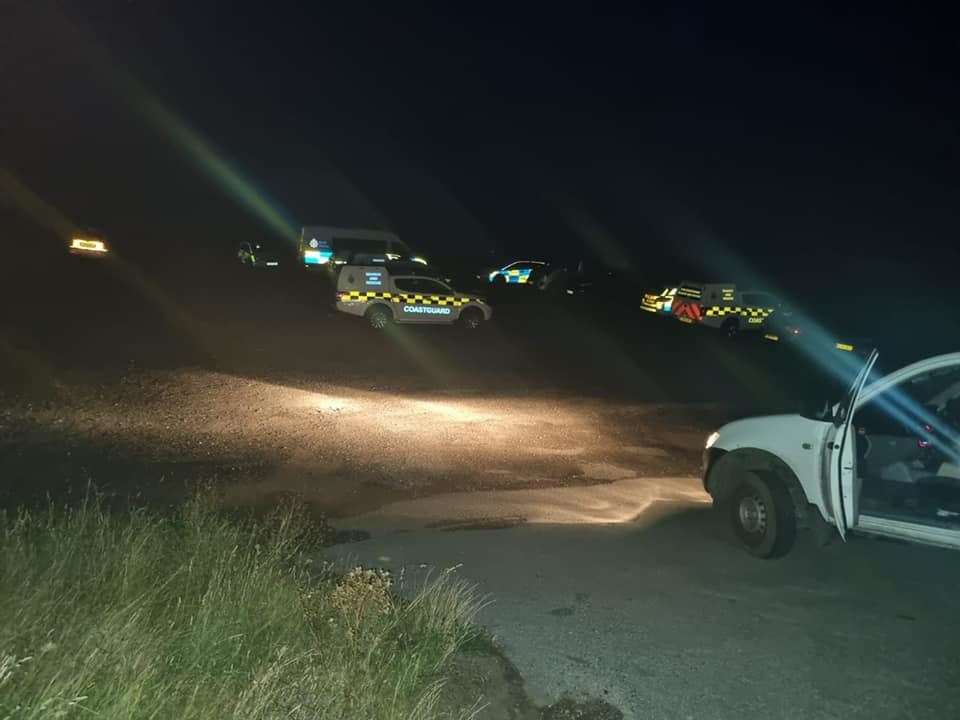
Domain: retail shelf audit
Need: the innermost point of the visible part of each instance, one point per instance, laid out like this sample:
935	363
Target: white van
322	245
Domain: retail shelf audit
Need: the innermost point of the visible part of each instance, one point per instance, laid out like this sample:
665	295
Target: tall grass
197	616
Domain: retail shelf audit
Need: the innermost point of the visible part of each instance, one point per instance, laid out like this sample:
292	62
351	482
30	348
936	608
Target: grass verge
198	616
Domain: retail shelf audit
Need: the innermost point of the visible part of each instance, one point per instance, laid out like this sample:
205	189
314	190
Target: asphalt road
634	592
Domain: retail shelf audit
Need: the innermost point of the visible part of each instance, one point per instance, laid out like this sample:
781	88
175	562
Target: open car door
840	460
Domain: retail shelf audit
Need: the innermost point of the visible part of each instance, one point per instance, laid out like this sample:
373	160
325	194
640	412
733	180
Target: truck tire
471	318
379	317
730	327
763	516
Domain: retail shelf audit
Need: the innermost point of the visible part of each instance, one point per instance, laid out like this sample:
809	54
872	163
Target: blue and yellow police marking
317	257
407	298
516	276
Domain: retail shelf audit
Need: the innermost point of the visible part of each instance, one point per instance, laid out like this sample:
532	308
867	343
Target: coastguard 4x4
406	293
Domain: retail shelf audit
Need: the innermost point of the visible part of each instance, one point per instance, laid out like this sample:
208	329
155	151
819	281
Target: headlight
712	439
418	259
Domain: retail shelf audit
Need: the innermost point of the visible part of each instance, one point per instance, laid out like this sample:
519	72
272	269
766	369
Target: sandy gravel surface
343	449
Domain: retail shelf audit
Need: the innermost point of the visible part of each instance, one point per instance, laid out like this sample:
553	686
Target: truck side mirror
816	408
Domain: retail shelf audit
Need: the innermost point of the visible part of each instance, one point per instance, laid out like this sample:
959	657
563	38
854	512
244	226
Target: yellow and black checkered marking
407	298
749	312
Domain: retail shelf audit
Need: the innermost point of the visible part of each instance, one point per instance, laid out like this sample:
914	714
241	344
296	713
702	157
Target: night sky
796	142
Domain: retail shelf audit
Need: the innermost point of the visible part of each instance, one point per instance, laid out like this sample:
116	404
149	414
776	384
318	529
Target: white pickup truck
885	460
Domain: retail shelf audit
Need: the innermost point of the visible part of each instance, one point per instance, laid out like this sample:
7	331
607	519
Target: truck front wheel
762	514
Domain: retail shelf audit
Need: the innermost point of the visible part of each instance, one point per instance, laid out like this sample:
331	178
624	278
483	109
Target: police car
405	293
884	461
521	272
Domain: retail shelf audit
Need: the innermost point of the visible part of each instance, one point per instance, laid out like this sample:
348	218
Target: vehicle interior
908	450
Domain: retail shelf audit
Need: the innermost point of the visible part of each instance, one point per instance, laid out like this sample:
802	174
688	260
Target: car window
360	246
755	299
433	287
916	402
360	250
937	387
424	286
406	284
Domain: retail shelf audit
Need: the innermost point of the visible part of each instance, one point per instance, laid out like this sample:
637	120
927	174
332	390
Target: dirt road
146	383
343	450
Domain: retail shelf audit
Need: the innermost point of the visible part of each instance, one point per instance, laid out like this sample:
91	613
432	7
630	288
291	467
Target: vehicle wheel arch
728	470
375	305
379	307
474	312
731	326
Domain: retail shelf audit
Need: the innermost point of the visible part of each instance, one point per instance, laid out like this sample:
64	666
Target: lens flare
203	154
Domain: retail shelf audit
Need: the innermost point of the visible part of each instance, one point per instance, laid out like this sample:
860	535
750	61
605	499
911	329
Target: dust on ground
155	435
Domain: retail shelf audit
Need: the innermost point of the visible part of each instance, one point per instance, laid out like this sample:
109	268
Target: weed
197	616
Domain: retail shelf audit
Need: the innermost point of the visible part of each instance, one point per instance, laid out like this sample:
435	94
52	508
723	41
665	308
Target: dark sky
784	136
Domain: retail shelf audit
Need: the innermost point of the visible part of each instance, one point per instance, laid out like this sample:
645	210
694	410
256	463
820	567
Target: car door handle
806	446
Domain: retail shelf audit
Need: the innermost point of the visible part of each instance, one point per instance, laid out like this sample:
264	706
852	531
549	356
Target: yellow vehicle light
91	245
845	346
774	338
